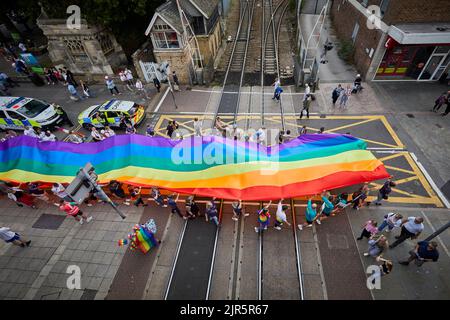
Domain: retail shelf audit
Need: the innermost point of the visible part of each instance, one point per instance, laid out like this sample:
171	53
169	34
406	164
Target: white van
18	112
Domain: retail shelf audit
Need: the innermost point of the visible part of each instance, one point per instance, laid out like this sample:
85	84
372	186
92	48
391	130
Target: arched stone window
105	42
75	47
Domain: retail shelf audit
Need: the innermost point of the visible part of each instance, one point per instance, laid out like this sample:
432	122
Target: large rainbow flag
206	166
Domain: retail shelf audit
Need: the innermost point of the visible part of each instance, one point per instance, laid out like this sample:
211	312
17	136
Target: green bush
346	51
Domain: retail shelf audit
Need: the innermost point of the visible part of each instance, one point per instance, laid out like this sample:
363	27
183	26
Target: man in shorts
281	215
13	237
237	210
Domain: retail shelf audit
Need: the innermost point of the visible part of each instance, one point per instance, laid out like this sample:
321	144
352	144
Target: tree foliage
126	19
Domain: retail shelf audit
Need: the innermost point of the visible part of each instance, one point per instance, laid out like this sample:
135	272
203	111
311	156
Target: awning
421	33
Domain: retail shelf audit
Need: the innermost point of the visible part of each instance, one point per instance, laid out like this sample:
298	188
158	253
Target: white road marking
245	92
162	100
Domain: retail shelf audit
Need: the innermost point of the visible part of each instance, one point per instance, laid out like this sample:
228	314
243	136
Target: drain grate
410	115
88	294
49	221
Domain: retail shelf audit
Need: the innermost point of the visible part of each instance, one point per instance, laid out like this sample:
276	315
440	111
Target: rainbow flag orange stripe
207	166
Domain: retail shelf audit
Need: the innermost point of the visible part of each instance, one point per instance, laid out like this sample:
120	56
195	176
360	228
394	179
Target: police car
110	114
18	112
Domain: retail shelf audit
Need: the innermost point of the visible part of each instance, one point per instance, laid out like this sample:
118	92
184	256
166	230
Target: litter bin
36	79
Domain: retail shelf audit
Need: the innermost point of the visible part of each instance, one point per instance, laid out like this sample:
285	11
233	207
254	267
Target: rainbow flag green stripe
201	165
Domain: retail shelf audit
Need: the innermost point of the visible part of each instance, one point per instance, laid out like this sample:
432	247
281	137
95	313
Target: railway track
234	75
195	229
240	277
271	26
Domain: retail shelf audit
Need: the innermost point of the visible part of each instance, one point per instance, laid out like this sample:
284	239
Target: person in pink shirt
369	229
73	210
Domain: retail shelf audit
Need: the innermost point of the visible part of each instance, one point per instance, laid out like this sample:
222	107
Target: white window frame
154	42
355	32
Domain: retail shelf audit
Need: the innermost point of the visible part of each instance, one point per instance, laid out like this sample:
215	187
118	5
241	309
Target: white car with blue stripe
18	112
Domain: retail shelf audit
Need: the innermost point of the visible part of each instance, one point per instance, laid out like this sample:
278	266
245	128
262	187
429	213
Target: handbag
385	196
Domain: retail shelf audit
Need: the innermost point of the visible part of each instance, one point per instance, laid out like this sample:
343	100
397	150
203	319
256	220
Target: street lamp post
92	178
438	232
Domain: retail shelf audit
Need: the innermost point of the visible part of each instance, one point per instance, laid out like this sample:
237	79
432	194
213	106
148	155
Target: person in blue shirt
149	132
310	215
73	92
342	203
327	206
278	92
173	204
211	212
423	252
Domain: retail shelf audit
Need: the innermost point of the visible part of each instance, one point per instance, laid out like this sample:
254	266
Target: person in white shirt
260	135
236	133
412	227
59	191
307	92
391	220
123	77
129	77
275	85
29	131
22	47
47	136
75	137
281	215
197	128
139	85
108	132
96	136
12	237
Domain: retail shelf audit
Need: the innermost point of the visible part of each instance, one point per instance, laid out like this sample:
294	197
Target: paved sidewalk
432	280
39	272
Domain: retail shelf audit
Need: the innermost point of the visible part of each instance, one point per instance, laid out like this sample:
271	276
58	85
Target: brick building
166	33
411	41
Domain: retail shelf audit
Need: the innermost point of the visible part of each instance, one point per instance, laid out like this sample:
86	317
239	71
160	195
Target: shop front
415	56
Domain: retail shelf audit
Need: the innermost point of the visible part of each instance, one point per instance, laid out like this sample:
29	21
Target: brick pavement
39	271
